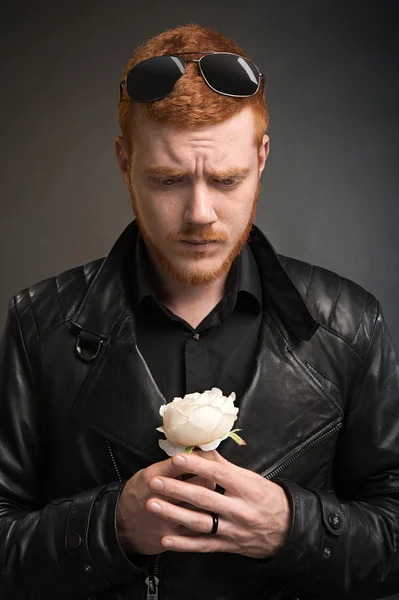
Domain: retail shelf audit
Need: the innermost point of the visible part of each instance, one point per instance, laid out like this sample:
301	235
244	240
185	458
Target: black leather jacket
78	412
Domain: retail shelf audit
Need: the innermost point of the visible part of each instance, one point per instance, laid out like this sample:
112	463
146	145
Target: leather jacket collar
108	295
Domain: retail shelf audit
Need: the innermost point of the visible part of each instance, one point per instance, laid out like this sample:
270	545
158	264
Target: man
192	296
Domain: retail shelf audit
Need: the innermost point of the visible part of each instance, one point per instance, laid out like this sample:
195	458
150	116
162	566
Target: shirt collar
109	293
243	276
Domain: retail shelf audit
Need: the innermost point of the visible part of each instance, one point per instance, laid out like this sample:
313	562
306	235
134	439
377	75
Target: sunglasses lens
230	74
154	78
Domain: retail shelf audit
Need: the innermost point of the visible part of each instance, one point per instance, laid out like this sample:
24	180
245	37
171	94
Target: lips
198	242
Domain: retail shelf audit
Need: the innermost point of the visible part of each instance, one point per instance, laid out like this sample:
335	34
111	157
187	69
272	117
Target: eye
167	182
228	182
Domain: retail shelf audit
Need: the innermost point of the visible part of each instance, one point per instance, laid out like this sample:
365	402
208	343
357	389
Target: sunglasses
225	73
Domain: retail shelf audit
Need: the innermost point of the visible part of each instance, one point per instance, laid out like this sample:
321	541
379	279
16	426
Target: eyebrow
222	174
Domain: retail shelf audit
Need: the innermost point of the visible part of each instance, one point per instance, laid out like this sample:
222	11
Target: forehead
234	138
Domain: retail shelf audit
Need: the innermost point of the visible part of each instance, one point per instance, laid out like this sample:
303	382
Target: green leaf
188	450
238	440
234	430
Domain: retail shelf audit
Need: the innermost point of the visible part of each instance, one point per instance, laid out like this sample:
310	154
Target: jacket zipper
152	580
117	473
302	451
151	577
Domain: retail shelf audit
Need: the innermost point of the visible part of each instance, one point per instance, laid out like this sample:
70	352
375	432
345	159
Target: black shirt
219	352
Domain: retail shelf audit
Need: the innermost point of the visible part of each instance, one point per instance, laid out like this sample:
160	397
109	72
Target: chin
196	272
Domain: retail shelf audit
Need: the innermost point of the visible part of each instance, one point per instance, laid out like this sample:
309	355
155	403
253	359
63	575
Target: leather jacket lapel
283	409
120	398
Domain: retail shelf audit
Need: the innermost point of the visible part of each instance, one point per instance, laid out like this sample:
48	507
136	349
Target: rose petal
206	417
224	426
162	410
174	417
193	396
228	407
170	448
187	407
176	400
218	401
161	429
189	435
211	445
208	396
217	391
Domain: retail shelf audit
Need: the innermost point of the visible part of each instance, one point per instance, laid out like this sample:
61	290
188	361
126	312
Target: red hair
192	102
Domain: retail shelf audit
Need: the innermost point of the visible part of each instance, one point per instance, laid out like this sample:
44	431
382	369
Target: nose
200	206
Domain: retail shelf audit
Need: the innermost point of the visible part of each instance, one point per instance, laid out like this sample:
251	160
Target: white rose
198	420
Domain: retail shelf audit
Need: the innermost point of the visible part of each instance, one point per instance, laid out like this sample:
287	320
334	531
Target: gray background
329	192
330	188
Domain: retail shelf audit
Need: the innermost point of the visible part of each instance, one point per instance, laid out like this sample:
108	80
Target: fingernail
179	460
169	543
155	507
156	484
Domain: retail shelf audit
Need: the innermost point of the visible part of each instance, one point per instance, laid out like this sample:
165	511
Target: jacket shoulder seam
309	283
341	337
361	318
23	340
377	314
32	313
57	289
334	306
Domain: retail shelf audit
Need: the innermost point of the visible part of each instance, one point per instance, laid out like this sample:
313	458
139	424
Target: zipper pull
152	584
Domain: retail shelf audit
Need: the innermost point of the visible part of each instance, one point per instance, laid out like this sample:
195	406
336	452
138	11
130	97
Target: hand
254	513
138	529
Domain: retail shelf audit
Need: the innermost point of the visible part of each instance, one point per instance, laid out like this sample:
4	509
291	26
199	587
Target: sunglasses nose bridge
195	60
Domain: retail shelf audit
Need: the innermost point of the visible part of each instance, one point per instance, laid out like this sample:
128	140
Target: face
194	193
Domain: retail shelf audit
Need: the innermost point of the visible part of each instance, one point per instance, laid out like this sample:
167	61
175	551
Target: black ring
215	523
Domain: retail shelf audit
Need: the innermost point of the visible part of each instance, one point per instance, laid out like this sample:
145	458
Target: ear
122	156
263	153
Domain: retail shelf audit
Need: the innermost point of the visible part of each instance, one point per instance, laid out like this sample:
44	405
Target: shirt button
196	336
334	520
87	568
327	552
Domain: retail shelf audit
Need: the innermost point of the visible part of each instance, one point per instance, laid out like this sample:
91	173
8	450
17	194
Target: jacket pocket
309	465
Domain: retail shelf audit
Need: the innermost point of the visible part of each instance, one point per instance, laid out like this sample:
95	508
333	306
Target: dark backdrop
329	193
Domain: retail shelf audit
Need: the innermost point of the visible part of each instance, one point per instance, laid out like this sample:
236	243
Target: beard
195	276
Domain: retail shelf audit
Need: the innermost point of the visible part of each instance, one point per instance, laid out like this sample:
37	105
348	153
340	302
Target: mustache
203	236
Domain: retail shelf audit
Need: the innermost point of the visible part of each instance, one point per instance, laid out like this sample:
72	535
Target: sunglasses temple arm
262	82
121	89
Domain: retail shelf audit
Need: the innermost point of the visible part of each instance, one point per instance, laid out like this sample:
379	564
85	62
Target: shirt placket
196	364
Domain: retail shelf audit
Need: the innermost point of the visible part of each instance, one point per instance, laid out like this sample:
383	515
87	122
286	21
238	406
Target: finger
198	544
201	481
195	480
211	455
226	474
199	522
165	468
201	497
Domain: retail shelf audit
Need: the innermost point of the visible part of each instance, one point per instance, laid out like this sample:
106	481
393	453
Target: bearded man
192	296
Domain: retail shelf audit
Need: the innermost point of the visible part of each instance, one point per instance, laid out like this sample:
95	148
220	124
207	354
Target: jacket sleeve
345	544
67	548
